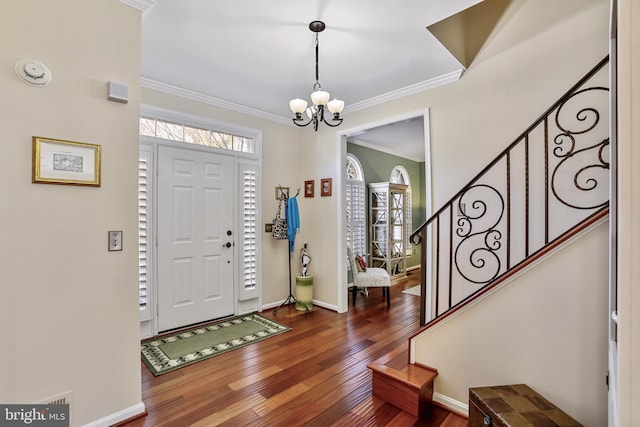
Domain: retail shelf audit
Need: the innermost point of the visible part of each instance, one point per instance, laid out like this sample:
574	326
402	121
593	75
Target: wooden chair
372	277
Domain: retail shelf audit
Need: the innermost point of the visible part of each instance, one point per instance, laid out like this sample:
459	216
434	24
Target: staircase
547	187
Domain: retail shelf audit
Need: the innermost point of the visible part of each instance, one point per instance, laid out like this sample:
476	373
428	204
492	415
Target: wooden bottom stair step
409	388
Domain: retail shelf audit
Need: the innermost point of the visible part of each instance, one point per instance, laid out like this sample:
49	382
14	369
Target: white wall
68	306
546	330
537	52
629	207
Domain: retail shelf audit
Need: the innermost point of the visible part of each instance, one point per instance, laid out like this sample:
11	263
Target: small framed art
56	161
308	188
282	193
325	187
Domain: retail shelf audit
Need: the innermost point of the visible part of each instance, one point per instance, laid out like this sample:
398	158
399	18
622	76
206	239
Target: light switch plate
115	240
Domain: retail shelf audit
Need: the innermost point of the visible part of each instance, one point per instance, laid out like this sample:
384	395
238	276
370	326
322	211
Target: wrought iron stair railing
546	186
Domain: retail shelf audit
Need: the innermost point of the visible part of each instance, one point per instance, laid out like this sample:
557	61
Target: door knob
227	245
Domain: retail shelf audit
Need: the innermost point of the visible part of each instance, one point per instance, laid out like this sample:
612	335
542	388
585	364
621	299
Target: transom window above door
180	132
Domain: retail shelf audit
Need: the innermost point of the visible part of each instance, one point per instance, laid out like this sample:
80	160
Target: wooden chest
514	406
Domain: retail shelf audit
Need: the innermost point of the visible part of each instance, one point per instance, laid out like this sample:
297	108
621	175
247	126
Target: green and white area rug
170	352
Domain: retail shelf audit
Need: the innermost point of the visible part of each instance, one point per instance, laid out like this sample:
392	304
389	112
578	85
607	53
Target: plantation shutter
356	221
144	233
248	233
356	216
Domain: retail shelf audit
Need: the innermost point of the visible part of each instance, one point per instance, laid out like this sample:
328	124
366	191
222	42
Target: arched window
355	206
399	175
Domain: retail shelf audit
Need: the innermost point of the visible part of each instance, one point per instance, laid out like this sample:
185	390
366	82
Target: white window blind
355	206
144	233
356	217
249	228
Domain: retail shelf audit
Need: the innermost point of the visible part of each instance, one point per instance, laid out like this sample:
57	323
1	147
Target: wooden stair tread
409	388
413	376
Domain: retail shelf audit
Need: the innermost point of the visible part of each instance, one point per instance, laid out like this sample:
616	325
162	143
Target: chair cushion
373	278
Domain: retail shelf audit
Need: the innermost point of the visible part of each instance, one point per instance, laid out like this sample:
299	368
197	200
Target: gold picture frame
56	161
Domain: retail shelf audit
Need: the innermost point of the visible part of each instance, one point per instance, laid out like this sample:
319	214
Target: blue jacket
293	221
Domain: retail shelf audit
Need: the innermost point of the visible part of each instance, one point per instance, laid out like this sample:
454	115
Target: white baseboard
454	405
325	305
119	416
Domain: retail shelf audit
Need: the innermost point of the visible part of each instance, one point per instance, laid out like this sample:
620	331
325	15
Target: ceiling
254	56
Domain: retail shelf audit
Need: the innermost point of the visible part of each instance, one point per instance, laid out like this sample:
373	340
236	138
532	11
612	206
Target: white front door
195	237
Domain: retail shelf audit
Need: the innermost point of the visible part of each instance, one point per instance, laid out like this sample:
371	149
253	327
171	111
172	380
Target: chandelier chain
317	85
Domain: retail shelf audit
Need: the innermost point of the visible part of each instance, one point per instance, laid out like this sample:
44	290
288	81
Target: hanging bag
279	227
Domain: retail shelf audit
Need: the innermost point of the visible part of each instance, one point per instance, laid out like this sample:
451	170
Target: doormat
171	352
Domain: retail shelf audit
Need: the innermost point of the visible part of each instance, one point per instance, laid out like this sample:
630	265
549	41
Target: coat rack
290	299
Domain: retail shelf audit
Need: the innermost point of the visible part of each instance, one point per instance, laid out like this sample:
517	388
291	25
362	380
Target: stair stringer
550	307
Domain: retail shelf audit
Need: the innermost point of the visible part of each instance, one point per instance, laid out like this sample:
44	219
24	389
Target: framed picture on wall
308	188
56	161
282	193
325	187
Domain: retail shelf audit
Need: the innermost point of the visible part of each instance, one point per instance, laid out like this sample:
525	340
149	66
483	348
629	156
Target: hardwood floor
314	375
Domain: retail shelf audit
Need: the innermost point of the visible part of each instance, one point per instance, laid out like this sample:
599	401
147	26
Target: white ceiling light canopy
319	97
33	72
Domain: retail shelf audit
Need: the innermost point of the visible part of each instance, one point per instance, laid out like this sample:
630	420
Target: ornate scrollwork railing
544	185
476	257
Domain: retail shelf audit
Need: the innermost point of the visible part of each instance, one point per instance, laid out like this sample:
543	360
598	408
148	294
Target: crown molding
210	100
371	102
407	90
386	150
142	5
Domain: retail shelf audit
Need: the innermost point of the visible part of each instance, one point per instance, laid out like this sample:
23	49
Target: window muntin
399	175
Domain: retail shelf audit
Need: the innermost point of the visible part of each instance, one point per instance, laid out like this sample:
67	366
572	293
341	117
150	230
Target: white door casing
195	237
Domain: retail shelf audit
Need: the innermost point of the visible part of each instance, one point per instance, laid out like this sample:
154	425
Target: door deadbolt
229	233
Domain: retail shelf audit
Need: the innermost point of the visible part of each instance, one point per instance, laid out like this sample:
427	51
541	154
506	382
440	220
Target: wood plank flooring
314	375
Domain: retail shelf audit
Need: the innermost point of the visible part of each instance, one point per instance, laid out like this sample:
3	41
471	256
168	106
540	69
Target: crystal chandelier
319	97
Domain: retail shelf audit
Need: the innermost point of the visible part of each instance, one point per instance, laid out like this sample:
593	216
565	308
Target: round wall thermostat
33	72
